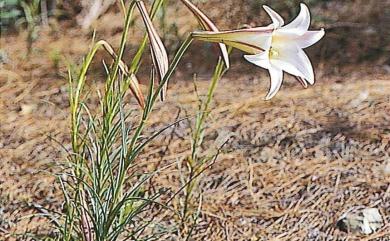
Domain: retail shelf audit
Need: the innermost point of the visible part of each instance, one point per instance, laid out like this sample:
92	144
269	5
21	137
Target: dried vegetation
291	167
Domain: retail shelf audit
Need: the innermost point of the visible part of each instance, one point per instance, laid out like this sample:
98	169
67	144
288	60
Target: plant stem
194	162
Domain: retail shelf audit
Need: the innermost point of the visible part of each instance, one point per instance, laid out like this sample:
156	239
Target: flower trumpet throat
277	47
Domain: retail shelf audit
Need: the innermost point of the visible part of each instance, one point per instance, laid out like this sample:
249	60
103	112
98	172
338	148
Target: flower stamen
273	53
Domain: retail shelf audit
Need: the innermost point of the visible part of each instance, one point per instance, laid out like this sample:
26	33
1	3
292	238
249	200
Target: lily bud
208	25
159	53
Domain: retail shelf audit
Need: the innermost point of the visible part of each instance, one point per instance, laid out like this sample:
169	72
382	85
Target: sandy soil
293	166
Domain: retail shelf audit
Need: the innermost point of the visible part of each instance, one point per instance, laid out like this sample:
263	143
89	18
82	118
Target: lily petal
294	61
252	40
261	60
301	23
310	38
277	20
159	53
207	24
276	75
307	67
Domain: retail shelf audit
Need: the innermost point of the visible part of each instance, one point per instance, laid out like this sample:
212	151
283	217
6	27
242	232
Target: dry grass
292	167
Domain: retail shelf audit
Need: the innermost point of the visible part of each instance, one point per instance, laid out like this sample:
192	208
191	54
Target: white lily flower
277	47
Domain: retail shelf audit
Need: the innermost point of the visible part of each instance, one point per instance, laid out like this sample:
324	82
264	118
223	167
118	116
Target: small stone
386	170
27	109
364	221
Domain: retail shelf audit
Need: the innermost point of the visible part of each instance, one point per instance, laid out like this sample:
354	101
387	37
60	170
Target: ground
291	168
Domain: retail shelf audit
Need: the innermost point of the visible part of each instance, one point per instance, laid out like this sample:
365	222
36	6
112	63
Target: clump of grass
105	193
31	12
9	13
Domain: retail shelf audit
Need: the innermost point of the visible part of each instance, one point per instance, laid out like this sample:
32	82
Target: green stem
194	162
205	108
123	41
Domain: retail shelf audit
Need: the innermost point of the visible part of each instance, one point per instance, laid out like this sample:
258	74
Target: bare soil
291	168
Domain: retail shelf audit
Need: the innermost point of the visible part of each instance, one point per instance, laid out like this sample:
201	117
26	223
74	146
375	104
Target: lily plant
277	47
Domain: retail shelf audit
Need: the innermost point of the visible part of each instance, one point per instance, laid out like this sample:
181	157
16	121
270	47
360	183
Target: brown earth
293	166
